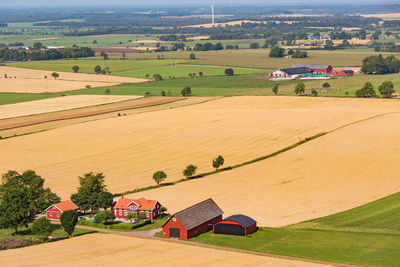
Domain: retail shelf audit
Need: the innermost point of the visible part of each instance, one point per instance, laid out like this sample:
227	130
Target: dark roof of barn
312	66
294	71
199	213
244	220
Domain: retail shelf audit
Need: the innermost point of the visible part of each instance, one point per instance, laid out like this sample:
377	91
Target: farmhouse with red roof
124	206
54	211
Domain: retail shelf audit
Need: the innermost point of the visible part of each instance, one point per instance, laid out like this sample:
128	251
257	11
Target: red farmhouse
124	206
343	72
193	221
236	225
315	68
54	211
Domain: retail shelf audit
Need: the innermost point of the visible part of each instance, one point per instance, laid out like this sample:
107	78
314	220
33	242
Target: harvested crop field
79	251
58	104
42	122
134	147
344	169
21	80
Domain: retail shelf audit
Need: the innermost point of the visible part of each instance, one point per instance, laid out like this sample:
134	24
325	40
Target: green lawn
10	98
157	224
25	233
368	235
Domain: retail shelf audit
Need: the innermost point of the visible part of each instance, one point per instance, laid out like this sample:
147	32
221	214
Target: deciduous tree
218	162
68	220
159	176
42	228
190	170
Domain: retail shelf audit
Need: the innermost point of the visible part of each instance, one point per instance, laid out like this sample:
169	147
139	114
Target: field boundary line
273	154
138	234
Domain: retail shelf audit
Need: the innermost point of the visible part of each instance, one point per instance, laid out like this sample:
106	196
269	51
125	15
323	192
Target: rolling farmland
21	80
346	168
138	145
58	104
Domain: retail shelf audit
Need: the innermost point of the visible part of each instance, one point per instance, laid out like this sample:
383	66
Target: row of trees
380	65
208	46
278	52
386	89
189	171
52	54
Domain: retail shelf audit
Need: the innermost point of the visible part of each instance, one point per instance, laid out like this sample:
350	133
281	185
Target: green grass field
368	235
11	98
25	233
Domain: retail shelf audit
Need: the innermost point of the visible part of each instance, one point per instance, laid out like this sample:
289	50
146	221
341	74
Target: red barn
315	68
236	225
343	72
193	221
124	206
54	211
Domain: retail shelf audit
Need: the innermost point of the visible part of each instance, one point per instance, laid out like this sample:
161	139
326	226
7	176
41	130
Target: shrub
75	69
386	89
229	72
275	89
277	51
314	92
186	91
42	228
192	56
300	88
366	91
163	93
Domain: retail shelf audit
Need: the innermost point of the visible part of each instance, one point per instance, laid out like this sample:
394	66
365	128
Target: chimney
122	196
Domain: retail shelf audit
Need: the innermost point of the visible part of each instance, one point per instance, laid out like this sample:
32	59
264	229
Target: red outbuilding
193	221
236	225
54	211
343	72
124	206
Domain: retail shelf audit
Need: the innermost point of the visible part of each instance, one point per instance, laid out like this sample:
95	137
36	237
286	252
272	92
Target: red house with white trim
124	206
54	211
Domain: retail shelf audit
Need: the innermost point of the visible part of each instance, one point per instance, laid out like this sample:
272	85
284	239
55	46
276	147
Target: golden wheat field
58	104
346	168
223	24
20	80
129	149
114	250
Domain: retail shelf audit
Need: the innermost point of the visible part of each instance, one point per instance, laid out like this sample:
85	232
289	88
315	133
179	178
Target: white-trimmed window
51	214
120	212
58	215
126	213
174	219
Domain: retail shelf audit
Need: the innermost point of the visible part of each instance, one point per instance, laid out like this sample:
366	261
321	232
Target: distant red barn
54	211
343	72
193	221
315	68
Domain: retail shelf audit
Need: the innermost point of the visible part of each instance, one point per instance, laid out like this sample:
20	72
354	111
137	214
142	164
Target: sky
94	3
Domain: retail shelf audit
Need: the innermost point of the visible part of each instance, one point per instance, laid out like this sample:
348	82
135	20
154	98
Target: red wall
53	213
205	227
174	224
156	213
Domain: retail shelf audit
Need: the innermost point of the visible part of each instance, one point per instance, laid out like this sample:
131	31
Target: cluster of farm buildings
309	71
24	47
190	222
